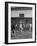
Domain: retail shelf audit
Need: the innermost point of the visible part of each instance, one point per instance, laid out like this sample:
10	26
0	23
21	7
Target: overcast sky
27	13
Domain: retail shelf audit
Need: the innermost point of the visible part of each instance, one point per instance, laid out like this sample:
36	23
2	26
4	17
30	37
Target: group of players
21	27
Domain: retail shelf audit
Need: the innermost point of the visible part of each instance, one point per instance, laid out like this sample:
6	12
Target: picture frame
27	12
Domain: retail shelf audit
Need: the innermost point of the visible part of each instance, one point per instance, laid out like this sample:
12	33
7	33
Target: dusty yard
22	35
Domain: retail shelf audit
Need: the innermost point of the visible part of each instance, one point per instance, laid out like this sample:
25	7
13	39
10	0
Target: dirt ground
22	35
